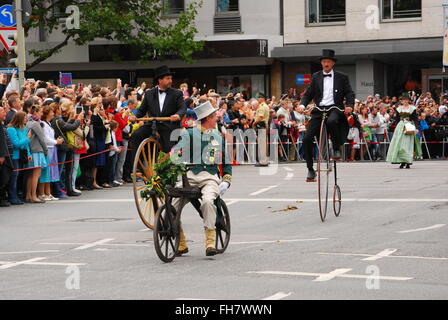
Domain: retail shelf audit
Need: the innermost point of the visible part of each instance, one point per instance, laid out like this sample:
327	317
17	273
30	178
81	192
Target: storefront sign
303	79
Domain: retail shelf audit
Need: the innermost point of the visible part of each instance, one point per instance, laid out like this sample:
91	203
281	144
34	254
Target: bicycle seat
185	192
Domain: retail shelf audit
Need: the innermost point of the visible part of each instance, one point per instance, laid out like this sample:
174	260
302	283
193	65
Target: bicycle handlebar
327	109
153	119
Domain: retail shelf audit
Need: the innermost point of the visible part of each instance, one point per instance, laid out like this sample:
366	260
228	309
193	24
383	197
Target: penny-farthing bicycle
143	169
166	233
325	166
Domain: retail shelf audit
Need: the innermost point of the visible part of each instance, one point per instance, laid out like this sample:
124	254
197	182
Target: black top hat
328	54
162	71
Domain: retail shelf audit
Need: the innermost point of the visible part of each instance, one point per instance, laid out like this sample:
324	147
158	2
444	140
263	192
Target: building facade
385	46
239	37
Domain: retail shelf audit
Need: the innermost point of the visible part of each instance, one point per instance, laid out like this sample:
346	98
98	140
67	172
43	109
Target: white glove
223	188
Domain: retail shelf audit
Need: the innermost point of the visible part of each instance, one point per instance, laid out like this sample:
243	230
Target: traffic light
14	50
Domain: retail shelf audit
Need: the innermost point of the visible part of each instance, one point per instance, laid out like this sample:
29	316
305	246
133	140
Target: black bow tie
327	75
162	91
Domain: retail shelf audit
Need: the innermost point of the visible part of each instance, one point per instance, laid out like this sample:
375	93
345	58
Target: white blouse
49	135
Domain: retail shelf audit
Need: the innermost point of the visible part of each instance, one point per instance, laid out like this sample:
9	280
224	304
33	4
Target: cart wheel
337	202
166	238
143	169
323	171
223	230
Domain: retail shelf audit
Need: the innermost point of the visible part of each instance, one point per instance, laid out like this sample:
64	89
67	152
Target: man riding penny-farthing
162	110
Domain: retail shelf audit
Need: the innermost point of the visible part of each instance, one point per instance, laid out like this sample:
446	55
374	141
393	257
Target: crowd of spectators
56	141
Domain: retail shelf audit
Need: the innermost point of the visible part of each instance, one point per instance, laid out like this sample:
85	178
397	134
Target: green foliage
140	23
167	170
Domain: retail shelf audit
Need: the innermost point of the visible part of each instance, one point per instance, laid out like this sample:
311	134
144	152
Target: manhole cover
100	220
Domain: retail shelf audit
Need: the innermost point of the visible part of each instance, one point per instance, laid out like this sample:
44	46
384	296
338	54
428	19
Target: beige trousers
209	185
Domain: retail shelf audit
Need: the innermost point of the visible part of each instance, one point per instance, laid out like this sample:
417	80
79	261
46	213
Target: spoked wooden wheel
223	229
337	201
143	169
166	238
323	171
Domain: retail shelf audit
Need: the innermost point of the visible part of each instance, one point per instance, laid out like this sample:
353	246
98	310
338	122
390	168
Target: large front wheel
323	171
143	169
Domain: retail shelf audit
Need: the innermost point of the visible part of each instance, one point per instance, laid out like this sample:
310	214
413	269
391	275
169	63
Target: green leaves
140	23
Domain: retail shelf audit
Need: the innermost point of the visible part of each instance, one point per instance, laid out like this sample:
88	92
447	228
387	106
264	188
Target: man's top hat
162	71
328	54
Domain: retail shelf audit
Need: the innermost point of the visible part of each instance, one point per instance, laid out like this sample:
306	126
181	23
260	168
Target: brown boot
210	238
182	249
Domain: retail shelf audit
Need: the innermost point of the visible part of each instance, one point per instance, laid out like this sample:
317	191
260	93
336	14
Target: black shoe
211	252
181	252
402	165
259	164
337	155
17	203
73	194
408	166
311	175
4	203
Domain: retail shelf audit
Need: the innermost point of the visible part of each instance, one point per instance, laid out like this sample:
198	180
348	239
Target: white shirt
49	135
328	99
162	97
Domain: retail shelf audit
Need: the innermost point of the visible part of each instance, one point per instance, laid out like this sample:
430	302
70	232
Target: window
326	11
401	9
223	6
173	6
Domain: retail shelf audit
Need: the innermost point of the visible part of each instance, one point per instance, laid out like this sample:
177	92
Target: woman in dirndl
405	142
50	173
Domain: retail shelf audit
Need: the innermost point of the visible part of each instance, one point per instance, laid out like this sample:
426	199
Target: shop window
173	6
248	85
401	9
326	11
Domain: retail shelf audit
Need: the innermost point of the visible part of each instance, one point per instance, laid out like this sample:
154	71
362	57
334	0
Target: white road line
261	191
49	263
311	274
290	173
18	263
278	241
382	254
230	202
143	230
103	244
94	244
333	274
436	226
19	252
278	296
369	255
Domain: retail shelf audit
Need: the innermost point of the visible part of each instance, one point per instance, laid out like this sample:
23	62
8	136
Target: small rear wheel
223	229
337	202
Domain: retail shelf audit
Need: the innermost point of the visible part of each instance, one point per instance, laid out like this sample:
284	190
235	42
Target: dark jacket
61	127
341	90
6	147
174	104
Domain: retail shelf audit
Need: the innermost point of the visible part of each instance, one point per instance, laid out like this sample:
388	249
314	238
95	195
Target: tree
139	23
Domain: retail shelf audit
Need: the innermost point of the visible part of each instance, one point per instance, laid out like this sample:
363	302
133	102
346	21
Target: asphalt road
390	242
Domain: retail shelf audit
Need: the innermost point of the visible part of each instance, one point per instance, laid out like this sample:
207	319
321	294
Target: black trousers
145	132
5	173
335	127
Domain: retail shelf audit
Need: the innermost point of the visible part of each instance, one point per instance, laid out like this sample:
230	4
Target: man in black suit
328	89
161	101
6	165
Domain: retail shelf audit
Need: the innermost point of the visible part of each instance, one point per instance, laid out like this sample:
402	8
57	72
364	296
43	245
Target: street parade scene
202	152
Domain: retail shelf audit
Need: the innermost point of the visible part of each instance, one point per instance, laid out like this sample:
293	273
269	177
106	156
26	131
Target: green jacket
205	151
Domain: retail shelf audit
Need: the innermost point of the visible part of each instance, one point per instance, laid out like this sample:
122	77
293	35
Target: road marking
93	244
230	202
103	244
382	254
278	241
263	200
311	274
143	230
8	265
278	296
260	191
19	252
290	173
48	263
370	255
333	274
436	226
